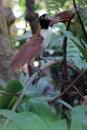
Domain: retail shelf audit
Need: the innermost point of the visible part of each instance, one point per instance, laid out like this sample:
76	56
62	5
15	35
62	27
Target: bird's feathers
47	35
27	53
63	16
33	47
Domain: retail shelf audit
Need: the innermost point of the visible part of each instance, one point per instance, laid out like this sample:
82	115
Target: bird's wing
63	16
27	53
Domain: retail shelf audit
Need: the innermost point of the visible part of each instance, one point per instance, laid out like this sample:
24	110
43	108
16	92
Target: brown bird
32	49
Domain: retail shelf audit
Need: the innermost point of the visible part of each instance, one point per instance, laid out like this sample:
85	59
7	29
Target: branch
8	93
59	96
50	63
21	95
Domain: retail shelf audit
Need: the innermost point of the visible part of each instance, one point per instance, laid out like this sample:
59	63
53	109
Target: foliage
28	120
6	101
34	111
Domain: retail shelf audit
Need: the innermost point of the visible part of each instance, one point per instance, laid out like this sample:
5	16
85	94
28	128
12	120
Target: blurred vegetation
34	111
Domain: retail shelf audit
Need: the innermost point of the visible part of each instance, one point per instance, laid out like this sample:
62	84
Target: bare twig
21	95
42	68
18	100
8	93
77	91
58	97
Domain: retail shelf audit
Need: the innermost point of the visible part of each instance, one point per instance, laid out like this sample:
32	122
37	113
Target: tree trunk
6	50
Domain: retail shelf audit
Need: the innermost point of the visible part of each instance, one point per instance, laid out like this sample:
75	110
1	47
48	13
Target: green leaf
76	52
77	118
22	4
38	88
61	125
23	79
42	84
65	104
40	106
11	126
14	87
27	120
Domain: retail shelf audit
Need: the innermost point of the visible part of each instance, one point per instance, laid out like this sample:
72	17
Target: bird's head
44	21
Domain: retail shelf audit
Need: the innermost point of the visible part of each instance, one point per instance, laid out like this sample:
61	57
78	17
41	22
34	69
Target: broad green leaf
40	107
77	118
13	86
78	43
27	120
23	79
61	125
11	126
42	84
39	87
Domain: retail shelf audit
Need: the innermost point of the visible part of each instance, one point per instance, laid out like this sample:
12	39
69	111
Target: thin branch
59	96
18	100
8	93
21	95
80	20
42	68
77	91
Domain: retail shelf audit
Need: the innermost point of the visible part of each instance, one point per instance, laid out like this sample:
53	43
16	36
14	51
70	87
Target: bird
34	46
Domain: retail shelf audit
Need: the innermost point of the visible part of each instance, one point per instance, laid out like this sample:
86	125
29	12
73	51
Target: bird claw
34	69
38	70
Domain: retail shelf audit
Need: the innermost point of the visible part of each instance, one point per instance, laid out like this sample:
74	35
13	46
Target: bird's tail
63	16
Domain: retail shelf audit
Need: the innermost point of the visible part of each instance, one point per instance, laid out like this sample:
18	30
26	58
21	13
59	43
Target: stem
20	97
64	64
80	20
8	93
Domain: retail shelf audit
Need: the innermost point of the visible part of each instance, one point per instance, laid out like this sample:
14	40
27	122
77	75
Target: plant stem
8	93
64	63
80	20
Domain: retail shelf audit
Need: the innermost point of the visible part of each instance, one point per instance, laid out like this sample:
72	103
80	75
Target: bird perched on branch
34	45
